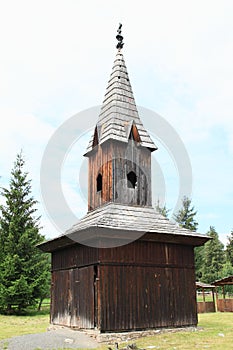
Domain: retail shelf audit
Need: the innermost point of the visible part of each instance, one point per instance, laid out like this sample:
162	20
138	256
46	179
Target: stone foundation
119	337
111	338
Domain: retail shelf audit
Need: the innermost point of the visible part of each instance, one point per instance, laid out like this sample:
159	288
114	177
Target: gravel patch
51	340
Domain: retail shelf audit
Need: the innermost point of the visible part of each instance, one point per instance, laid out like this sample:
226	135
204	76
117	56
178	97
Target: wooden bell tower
122	266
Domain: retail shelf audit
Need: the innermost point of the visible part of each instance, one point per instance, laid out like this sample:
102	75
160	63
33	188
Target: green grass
18	325
215	332
32	322
207	298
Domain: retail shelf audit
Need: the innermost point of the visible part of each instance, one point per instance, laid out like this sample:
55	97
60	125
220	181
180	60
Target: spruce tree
24	270
185	216
214	257
162	209
199	262
229	248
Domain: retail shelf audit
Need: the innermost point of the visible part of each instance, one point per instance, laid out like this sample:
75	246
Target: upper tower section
119	112
120	149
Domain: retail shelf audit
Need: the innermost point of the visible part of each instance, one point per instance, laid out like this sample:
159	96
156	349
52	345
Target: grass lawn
18	325
215	332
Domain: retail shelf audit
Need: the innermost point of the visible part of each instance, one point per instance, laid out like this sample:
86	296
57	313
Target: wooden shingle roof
119	111
124	223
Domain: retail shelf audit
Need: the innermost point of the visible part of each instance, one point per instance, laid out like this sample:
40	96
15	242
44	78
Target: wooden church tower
123	266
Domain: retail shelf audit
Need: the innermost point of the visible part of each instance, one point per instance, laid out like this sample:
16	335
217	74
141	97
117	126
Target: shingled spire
119	113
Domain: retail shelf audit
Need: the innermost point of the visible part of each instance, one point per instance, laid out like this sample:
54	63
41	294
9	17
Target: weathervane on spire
119	37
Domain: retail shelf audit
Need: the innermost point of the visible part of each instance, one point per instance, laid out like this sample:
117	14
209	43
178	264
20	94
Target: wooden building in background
123	266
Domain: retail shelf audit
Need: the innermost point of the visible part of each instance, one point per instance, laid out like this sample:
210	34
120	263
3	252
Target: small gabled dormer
133	133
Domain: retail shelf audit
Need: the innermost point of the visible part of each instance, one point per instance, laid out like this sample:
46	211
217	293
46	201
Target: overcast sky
56	58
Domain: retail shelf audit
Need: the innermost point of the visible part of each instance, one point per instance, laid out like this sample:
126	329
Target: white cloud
22	131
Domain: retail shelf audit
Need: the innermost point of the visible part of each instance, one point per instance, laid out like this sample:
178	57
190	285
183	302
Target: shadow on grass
30	311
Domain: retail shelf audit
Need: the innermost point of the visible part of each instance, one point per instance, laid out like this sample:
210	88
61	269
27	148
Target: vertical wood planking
114	160
141	285
142	300
60	310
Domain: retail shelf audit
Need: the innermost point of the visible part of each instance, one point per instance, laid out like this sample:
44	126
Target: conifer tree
214	257
162	209
199	262
24	269
186	219
229	248
185	216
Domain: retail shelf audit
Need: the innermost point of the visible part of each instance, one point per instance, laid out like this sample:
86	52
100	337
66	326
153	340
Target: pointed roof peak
120	38
119	107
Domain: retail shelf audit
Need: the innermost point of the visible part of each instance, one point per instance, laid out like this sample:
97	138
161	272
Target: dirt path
51	340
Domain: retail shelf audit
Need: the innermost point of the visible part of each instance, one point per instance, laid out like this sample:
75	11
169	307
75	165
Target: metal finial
119	37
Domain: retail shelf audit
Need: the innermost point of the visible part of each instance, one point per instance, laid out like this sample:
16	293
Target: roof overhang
115	224
201	285
224	281
102	237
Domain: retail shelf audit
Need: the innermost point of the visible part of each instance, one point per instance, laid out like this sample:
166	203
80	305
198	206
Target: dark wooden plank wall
142	252
75	256
134	158
150	285
134	297
100	161
83	298
139	285
72	297
60	298
114	160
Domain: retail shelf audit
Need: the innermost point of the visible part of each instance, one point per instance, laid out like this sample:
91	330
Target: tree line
212	261
25	270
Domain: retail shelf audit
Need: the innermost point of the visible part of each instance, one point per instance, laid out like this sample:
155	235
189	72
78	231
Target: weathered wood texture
137	252
100	162
137	286
114	160
225	305
60	312
126	223
135	297
74	256
151	286
205	306
72	298
147	253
